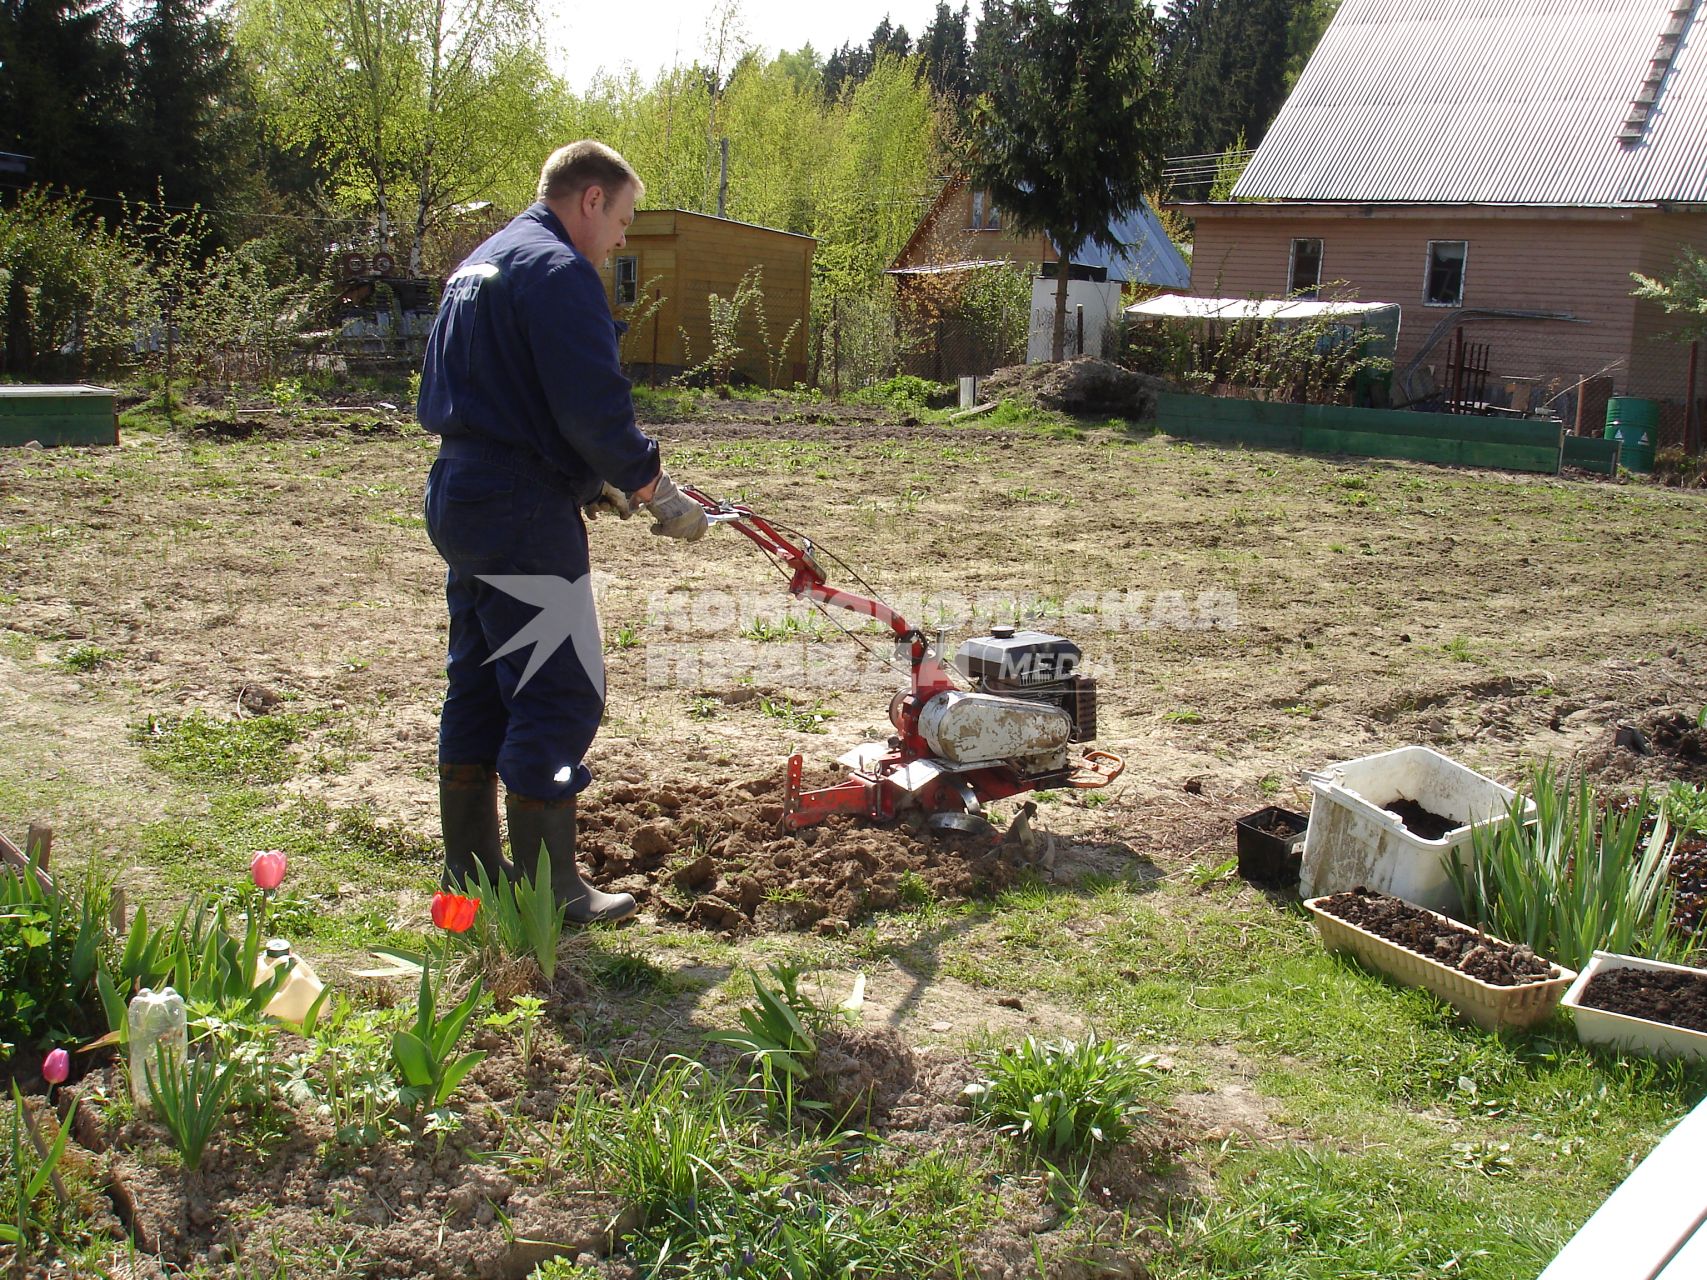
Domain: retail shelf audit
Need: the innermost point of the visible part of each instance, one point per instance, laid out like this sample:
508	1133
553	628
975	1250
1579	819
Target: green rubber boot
550	824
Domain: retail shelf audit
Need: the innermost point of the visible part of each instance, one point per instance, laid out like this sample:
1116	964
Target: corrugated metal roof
1489	102
1146	255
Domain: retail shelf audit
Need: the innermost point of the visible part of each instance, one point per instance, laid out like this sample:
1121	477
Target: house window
627	281
993	220
1445	284
1304	276
977	210
984	214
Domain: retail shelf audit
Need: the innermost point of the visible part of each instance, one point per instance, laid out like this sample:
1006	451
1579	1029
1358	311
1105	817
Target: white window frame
1292	285
632	282
1463	274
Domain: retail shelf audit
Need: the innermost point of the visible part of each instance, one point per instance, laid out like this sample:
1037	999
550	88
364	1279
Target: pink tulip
56	1066
267	869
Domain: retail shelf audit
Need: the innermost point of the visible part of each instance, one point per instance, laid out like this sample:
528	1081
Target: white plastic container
1353	840
156	1019
301	988
1620	1030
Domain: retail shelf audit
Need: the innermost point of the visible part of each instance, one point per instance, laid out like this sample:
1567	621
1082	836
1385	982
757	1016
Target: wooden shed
662	280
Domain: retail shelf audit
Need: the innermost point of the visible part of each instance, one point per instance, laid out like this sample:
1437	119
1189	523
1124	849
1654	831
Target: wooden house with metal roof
1497	168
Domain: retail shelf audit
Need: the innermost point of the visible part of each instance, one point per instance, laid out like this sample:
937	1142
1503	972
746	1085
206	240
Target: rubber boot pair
468	814
548	827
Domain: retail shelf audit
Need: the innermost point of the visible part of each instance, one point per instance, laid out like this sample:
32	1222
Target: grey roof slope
1146	255
1490	102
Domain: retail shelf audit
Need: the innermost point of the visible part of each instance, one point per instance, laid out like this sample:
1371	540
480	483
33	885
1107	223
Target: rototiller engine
954	748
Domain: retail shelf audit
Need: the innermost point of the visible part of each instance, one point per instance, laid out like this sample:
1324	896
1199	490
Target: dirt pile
714	854
1083	385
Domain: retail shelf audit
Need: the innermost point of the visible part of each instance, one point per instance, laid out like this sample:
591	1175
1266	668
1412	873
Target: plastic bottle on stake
157	1020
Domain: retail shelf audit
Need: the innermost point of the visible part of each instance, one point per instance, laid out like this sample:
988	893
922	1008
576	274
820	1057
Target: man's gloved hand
611	501
676	514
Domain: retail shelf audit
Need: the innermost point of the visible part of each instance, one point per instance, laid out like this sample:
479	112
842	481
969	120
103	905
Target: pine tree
1073	129
62	92
195	127
1228	62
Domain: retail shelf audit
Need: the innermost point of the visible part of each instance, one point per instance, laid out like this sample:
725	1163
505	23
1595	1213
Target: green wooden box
67	415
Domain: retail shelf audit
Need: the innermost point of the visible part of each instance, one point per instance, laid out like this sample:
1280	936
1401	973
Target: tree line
310	126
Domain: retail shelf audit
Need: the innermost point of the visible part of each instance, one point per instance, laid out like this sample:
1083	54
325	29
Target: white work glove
676	514
611	500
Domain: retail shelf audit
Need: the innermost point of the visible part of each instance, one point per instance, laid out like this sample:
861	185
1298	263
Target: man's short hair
572	169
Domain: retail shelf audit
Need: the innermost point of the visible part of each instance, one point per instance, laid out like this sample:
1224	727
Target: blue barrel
1634	424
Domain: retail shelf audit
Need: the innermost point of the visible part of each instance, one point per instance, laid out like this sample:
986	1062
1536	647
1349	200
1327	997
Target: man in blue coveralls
523	387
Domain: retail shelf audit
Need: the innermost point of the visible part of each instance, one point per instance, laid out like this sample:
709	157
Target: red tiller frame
870	792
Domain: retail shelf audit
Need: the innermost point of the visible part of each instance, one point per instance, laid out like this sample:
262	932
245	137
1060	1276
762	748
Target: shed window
1304	276
1445	284
627	281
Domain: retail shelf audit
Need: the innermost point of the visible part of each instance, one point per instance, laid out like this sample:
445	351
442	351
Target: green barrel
1634	424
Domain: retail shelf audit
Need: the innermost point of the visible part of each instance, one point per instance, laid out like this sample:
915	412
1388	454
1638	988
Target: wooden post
38	844
16	859
835	348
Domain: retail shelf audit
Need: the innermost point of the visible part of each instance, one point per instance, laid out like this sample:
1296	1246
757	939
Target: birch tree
416	105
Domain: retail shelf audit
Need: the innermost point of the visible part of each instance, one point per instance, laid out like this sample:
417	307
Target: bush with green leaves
1069	1099
1686	808
904	393
1582	876
52	944
74	291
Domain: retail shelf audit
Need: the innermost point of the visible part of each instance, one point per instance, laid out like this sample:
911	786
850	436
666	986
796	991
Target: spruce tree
946	54
1072	130
63	90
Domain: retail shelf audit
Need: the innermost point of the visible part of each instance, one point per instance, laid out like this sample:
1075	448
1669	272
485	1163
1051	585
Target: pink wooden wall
1577	262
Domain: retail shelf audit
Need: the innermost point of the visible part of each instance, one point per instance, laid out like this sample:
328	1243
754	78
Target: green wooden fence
1371	433
1591	453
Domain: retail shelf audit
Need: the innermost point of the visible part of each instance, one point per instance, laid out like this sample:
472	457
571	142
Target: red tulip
454	913
56	1066
267	869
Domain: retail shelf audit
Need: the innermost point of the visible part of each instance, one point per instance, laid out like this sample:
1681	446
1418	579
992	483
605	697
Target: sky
585	35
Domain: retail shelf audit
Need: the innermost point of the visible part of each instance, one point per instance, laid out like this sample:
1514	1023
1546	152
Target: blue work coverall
522	384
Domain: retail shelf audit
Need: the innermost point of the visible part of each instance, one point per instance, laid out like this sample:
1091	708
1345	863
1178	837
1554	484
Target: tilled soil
1423	823
715	855
1689	879
1486	959
1677	999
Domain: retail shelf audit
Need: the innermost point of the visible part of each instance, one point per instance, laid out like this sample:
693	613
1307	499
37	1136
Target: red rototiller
954	749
